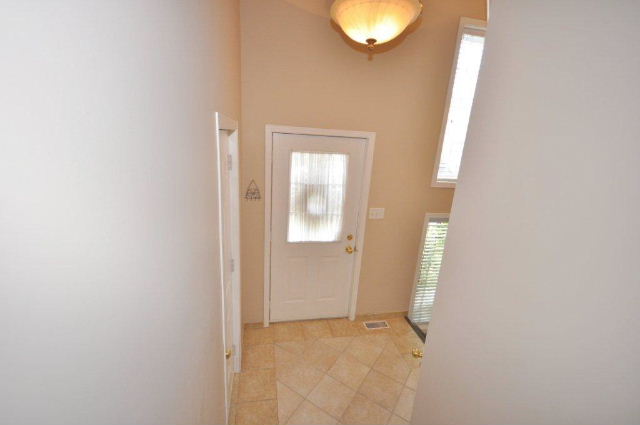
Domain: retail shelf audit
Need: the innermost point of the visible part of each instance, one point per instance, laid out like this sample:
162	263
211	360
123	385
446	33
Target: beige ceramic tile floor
326	372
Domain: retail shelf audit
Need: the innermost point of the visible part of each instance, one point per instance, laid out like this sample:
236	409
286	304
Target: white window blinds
462	93
428	269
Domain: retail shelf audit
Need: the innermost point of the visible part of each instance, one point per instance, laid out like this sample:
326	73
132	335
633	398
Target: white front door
315	200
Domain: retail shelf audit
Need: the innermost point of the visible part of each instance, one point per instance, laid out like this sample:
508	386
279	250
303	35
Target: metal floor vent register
378	324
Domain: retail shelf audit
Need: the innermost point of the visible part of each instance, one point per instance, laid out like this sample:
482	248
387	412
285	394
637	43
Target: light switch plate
376	213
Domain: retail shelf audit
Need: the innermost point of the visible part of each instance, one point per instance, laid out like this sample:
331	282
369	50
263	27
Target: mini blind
459	103
428	269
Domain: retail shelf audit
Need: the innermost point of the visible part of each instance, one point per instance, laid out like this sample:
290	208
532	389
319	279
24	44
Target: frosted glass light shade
374	21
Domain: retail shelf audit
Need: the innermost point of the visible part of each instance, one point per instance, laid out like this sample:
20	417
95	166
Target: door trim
369	138
223	123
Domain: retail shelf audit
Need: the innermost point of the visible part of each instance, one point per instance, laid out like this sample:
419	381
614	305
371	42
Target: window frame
465	24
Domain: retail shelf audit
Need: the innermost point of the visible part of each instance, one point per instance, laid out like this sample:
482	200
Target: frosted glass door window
316	196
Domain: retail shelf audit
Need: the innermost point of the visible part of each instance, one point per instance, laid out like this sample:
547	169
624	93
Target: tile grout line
307	399
355	392
403	382
275	379
305	340
392	411
365	378
330	377
297	407
373	401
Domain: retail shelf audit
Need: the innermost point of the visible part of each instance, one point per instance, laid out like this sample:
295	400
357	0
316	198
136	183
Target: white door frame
369	138
223	123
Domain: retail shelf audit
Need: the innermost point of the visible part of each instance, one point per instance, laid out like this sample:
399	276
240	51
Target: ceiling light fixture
374	22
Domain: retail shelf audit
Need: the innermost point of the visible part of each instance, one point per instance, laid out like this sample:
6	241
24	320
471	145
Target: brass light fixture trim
371	43
374	22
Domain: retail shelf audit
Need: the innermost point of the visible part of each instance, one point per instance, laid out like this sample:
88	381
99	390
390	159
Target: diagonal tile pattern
349	371
381	389
327	372
391	363
288	402
331	396
363	411
404	407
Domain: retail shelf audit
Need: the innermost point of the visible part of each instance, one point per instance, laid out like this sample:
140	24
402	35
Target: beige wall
536	318
298	70
110	310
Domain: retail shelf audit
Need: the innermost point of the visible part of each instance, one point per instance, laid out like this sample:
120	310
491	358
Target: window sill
450	185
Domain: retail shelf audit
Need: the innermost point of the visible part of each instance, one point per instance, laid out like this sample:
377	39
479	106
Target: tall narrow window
428	269
459	101
316	196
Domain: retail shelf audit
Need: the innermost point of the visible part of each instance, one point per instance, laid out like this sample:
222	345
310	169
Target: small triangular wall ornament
253	192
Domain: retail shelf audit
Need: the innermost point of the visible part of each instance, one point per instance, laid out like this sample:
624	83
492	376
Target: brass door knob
349	237
227	354
349	249
417	353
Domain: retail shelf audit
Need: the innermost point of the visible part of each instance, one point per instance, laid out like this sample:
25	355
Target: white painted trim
222	123
268	171
416	277
234	186
227	124
465	23
362	223
370	139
